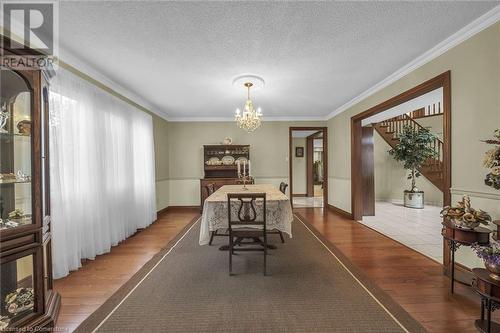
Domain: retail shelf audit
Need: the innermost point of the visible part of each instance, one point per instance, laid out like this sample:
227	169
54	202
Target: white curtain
101	171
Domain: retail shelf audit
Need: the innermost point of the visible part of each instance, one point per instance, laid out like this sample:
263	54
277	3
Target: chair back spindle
283	187
245	220
210	189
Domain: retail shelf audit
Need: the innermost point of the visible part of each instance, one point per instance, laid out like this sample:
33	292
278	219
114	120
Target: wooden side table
457	236
496	234
489	291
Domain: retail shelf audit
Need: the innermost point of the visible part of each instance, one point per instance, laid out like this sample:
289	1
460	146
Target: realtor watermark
32	31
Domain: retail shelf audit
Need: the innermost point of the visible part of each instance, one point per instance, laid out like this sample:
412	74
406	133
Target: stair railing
430	110
395	127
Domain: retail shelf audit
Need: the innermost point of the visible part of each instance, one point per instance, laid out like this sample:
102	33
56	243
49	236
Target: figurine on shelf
243	175
24	127
16	214
4	116
464	216
21	176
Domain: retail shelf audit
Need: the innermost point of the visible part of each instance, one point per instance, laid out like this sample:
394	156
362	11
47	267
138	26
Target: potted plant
491	257
464	216
492	162
317	167
414	149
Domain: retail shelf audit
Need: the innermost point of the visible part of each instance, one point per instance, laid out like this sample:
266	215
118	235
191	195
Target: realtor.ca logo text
31	34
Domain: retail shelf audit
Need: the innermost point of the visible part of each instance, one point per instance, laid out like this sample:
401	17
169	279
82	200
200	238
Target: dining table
279	214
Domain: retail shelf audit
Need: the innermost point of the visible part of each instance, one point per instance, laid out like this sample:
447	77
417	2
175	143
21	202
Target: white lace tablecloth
279	211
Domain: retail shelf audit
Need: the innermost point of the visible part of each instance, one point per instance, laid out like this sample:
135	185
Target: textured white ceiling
315	56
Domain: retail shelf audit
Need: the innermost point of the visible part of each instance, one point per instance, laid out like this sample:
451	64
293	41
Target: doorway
377	130
385	179
308	166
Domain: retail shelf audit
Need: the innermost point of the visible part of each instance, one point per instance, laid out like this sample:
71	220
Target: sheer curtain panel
101	171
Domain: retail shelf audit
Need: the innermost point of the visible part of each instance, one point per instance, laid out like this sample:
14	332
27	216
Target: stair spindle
439	152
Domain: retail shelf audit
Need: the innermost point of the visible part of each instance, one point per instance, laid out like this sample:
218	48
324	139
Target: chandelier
250	119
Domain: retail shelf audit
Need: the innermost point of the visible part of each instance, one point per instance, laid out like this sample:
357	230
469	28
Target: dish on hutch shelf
228	160
214	161
242	159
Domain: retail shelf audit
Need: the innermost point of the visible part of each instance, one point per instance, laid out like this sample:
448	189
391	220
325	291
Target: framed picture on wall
299	151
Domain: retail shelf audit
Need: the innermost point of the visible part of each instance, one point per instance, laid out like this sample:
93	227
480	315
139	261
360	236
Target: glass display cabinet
27	301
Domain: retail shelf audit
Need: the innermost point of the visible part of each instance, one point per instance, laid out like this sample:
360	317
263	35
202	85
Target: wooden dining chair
242	214
210	188
283	187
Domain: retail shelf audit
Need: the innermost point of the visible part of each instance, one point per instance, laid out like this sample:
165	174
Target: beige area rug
310	287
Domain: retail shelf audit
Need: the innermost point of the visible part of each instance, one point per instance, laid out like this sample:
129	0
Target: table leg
452	266
488	315
482	308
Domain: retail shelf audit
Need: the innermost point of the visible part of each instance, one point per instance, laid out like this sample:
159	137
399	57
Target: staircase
391	129
430	110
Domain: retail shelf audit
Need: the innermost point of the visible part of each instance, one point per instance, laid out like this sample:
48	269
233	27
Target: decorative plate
214	161
242	159
228	160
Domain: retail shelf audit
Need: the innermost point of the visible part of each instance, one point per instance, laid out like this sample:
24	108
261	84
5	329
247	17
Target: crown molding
479	24
86	71
231	119
91	75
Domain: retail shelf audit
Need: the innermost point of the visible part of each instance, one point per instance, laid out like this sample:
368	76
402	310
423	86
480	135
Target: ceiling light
250	119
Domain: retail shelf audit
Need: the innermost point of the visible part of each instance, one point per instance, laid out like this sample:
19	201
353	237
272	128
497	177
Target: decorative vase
494	269
492	181
414	199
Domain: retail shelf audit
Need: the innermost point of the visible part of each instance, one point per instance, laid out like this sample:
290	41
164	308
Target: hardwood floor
411	279
83	291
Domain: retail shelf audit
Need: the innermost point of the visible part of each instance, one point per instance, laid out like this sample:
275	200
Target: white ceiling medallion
250	119
257	81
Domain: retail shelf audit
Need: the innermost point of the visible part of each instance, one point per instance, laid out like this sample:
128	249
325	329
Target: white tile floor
419	229
307	202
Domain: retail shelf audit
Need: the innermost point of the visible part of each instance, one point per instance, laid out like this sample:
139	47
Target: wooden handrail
430	110
395	126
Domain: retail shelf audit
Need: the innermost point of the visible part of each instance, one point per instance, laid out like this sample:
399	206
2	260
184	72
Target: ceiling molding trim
86	72
91	75
231	119
476	26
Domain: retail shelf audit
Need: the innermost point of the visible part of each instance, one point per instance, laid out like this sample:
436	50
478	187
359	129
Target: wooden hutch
27	300
219	164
